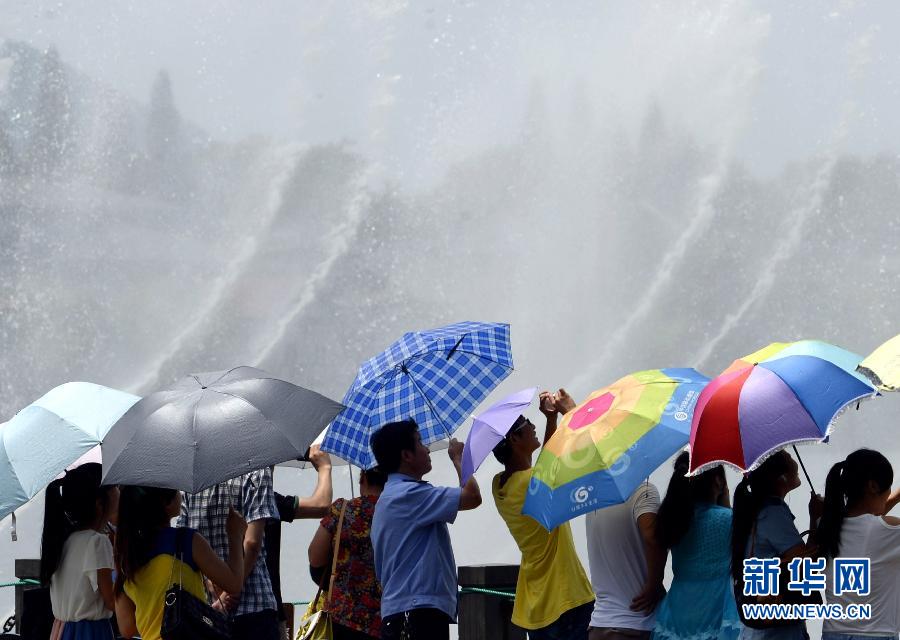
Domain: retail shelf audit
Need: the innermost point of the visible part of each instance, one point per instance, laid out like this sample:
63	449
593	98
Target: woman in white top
854	525
76	554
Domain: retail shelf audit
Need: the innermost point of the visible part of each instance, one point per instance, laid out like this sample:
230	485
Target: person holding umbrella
855	524
292	508
763	527
77	555
355	602
148	551
253	608
694	523
553	594
413	556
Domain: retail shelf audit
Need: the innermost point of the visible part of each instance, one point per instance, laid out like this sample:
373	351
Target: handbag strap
337	550
179	556
176	556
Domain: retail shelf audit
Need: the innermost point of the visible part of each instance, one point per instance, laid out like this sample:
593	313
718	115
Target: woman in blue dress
694	521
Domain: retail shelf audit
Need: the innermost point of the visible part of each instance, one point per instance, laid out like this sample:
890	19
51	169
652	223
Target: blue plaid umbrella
436	377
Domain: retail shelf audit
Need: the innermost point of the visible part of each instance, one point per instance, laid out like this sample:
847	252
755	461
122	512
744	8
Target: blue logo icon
761	576
852	575
807	575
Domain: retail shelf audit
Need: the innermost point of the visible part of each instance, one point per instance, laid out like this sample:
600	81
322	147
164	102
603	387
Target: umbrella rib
475	355
456	346
224	373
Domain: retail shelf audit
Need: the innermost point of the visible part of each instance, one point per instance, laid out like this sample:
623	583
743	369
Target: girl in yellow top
554	598
148	560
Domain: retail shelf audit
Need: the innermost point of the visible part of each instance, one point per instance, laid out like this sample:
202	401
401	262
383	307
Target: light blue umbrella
51	433
436	377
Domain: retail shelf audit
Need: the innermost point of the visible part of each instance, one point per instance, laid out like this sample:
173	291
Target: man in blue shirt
413	557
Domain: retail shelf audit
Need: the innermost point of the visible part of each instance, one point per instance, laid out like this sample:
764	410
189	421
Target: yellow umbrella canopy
882	366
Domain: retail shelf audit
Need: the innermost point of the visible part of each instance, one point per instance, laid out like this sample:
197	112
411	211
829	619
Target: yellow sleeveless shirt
148	588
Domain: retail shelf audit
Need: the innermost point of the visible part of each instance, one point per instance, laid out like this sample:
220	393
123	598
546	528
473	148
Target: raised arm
548	408
552	405
470	496
892	501
318	504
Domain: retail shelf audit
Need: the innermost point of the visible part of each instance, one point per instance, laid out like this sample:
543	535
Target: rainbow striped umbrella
781	395
604	448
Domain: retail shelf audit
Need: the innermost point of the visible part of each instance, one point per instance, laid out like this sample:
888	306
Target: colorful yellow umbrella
606	446
882	366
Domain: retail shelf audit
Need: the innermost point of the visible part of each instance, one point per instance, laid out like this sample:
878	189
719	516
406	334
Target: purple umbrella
489	428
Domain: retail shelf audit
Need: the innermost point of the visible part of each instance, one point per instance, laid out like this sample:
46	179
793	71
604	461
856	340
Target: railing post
34	615
484	616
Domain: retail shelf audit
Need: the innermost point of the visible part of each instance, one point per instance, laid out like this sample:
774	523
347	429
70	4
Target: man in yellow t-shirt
554	598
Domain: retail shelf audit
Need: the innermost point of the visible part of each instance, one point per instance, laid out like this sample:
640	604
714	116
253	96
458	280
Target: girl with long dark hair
150	555
76	554
763	527
854	525
694	522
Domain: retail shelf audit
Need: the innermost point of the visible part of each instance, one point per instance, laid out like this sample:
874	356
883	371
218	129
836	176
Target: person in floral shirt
356	596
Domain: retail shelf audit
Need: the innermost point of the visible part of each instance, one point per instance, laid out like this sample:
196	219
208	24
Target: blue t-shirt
775	530
413	557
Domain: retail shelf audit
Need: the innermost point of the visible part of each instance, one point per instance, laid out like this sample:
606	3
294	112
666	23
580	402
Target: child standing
77	556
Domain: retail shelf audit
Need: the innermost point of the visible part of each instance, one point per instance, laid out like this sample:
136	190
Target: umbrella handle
803	466
352	488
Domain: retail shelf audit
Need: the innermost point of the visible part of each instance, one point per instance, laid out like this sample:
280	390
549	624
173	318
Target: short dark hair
375	477
390	441
503	449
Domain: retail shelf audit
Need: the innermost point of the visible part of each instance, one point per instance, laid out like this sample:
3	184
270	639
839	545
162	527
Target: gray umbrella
209	427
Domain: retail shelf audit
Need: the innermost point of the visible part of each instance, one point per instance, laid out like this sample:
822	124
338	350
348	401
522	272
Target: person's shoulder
257	477
500	483
84	535
775	511
353	504
98	537
718	513
80	541
646	492
887	523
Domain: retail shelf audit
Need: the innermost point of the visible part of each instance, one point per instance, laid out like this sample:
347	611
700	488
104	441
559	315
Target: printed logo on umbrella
591	411
581	494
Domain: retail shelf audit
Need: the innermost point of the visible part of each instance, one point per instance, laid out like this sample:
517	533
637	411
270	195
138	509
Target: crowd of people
109	554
